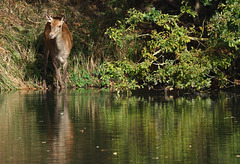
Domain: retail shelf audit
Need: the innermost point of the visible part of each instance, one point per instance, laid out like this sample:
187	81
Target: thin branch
143	35
158	64
157	52
197	39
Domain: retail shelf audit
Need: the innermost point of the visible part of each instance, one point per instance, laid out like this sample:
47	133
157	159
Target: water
91	126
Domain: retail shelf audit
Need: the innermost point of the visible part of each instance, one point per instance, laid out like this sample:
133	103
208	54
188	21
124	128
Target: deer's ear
63	19
49	18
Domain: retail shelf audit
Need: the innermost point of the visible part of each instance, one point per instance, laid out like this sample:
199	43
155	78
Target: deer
58	43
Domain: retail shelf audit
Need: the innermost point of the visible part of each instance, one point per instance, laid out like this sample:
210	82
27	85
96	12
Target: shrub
163	55
223	44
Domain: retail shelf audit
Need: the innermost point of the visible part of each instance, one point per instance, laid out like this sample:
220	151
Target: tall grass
21	42
20	28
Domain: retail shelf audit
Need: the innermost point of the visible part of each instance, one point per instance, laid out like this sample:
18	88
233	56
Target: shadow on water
90	126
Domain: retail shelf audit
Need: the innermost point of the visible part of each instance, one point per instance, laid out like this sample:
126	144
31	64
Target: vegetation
125	45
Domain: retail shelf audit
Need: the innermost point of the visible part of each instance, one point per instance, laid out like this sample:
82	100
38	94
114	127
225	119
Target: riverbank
124	46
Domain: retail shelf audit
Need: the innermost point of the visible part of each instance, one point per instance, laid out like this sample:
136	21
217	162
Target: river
99	127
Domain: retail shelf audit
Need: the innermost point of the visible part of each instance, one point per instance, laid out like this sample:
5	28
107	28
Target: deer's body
58	43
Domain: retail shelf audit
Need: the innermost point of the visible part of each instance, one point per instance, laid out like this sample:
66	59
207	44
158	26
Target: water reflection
59	128
90	126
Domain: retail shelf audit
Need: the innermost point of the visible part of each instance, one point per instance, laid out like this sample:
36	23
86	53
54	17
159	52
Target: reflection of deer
60	131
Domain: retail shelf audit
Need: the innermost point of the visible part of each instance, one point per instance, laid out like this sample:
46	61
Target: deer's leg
65	73
57	73
46	54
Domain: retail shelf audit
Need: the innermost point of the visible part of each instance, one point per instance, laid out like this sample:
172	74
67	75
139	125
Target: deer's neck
60	42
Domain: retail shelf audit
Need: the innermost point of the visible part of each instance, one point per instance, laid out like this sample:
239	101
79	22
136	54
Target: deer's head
56	26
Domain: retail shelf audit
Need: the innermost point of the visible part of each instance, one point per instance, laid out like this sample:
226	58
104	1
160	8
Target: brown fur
58	43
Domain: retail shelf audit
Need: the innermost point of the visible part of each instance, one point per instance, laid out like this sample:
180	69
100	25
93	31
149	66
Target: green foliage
185	8
164	58
191	72
224	26
120	75
83	79
207	2
224	42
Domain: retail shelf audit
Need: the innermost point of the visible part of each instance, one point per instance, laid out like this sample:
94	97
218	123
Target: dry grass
21	40
16	43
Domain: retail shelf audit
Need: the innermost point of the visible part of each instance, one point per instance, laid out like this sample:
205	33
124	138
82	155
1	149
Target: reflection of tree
109	129
139	129
20	141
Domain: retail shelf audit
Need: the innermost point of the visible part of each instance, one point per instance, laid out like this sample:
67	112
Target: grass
21	43
18	49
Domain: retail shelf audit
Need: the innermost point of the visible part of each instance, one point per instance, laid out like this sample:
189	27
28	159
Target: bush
223	44
120	75
163	55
